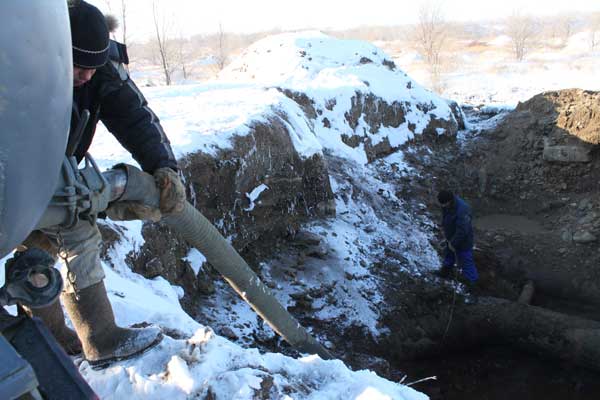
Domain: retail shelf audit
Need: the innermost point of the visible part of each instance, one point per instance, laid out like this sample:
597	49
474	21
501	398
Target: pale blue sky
201	16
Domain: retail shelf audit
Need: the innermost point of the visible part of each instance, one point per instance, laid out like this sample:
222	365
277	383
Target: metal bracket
84	193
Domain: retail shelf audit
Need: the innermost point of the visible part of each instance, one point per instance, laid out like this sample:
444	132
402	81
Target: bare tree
183	59
221	48
164	44
430	36
186	54
124	21
521	30
123	16
565	29
108	5
430	32
594	32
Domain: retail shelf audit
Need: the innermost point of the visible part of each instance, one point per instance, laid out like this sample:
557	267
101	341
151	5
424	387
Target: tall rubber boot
103	341
54	319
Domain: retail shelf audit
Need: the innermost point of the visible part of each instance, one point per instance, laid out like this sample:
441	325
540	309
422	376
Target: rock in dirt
584	237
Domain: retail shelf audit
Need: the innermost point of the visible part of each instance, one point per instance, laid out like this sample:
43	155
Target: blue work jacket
456	222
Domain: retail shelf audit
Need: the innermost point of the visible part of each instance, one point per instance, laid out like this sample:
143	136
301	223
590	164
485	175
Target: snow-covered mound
205	118
350	87
340	89
326	67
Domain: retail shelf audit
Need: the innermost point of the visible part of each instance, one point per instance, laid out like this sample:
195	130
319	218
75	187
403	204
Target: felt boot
54	319
103	341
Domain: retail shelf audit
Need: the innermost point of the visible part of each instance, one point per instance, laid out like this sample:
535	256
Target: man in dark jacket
103	87
458	231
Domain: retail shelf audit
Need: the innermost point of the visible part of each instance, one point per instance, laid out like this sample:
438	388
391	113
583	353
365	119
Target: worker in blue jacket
458	231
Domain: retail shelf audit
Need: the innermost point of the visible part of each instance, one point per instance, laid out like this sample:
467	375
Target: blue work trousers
465	263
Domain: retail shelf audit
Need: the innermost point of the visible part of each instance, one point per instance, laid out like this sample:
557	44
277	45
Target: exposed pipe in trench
128	183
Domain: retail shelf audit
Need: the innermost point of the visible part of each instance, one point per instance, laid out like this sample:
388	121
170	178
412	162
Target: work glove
132	210
172	191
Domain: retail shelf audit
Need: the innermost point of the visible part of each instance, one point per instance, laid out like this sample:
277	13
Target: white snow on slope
205	117
356	239
201	118
196	259
320	65
254	194
330	72
194	361
341	283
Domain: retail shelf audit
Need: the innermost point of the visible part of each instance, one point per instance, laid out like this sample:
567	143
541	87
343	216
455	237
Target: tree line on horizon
433	37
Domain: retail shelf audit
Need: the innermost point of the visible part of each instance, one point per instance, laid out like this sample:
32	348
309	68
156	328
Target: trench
499	373
518	238
514	238
471	370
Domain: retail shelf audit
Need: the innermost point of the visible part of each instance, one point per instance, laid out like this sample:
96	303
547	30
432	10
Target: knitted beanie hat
445	196
89	35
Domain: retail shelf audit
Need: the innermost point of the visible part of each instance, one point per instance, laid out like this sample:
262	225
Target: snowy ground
195	361
192	361
487	73
341	282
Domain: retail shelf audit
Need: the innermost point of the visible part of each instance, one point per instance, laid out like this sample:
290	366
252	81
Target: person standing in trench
458	231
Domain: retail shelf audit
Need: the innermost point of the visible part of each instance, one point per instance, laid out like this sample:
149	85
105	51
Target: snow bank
193	362
331	72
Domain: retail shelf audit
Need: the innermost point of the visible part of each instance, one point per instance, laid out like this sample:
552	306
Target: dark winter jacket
456	222
113	98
